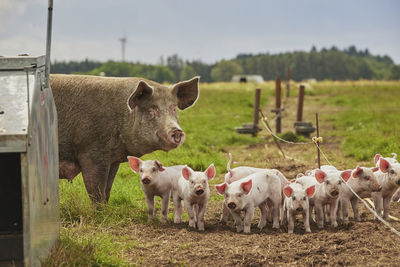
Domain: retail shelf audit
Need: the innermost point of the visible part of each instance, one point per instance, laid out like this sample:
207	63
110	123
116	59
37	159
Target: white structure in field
244	78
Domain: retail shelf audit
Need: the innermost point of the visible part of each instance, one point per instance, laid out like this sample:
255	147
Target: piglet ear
375	169
384	165
377	157
246	186
134	163
186	172
159	166
346	175
320	176
357	172
287	190
310	191
221	188
210	172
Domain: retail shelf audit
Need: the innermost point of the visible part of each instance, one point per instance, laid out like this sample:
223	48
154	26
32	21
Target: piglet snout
299	209
334	193
176	137
231	205
199	192
146	180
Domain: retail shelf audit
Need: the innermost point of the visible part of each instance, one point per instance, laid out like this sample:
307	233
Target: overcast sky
209	30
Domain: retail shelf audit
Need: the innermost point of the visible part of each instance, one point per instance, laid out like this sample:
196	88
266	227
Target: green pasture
366	119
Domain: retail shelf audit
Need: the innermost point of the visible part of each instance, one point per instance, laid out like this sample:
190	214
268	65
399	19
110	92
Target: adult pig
102	120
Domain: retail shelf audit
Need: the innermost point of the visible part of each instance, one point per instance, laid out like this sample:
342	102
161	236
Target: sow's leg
95	176
111	175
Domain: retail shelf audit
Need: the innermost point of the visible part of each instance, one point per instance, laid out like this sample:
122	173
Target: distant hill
331	64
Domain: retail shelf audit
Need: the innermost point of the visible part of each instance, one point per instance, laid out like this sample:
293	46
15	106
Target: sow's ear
142	90
134	163
187	92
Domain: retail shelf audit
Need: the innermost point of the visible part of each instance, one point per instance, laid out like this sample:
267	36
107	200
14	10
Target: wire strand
326	158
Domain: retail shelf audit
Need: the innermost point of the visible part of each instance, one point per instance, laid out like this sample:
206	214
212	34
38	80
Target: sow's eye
172	108
154	169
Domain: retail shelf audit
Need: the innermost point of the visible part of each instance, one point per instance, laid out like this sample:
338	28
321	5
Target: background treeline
331	64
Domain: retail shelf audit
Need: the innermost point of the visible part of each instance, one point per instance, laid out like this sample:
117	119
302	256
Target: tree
175	63
395	72
224	70
187	72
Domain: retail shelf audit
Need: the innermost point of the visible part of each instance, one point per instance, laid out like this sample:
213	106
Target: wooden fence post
300	104
287	82
278	105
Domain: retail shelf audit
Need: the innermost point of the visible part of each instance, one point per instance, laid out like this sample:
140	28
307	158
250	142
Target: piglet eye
391	171
327	182
340	182
367	178
140	170
239	195
304	198
294	198
192	182
154	169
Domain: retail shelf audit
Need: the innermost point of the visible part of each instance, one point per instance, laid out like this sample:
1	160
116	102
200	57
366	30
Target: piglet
296	202
388	176
363	181
241	172
327	191
246	194
192	187
155	180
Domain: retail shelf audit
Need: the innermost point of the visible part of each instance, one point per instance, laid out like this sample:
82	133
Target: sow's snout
176	137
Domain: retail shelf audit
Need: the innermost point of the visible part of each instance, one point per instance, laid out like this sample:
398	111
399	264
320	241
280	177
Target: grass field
362	117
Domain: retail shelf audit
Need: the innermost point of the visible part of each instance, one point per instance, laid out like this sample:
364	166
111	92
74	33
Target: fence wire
315	141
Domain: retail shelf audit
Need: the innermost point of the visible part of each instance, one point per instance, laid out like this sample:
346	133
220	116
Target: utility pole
123	41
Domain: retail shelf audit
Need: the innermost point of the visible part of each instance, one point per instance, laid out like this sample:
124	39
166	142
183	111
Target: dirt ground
366	243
